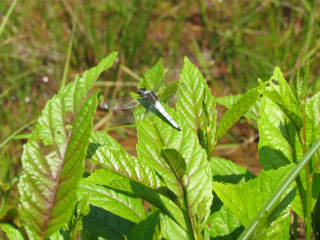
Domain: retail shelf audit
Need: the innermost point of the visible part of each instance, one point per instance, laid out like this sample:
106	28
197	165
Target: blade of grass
6	17
16	132
274	199
66	66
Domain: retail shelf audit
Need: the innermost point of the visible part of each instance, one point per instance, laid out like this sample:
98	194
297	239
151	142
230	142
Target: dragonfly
146	99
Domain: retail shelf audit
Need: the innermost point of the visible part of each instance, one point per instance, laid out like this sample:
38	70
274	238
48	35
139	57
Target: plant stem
187	216
276	195
7	16
308	180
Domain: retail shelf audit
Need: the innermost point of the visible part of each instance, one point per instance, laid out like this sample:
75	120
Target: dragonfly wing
140	113
119	104
123	117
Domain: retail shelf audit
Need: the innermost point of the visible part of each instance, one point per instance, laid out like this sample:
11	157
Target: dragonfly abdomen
161	109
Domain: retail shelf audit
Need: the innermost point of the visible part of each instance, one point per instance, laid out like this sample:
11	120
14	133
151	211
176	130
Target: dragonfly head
141	91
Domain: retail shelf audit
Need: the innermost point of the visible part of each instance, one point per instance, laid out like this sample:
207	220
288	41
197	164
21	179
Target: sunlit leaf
125	206
223	223
197	105
48	186
191	95
153	78
11	232
227	171
284	97
154	134
74	93
245	200
238	109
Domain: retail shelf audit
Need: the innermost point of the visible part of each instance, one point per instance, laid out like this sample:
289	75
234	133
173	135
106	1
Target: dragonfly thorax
150	96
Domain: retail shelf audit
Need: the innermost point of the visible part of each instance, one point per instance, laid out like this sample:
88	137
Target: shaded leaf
175	161
144	229
101	224
245	200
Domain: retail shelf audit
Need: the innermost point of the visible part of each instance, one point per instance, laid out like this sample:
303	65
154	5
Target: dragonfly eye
141	90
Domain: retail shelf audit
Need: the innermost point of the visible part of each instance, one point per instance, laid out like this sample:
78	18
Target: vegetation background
44	44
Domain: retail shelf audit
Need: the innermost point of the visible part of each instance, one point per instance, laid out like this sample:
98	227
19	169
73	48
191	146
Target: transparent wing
119	104
164	91
123	117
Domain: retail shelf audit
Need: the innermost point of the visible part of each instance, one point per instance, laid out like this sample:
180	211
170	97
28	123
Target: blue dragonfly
144	102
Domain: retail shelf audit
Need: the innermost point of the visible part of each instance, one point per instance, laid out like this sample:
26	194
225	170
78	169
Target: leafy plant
192	195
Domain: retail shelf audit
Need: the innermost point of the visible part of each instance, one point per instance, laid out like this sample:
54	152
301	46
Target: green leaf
280	190
101	224
153	78
191	95
153	135
228	101
82	209
169	91
119	161
197	105
74	93
245	201
224	224
175	162
51	174
285	98
208	131
278	145
52	125
169	228
228	172
137	180
313	110
125	173
11	232
118	203
144	229
238	109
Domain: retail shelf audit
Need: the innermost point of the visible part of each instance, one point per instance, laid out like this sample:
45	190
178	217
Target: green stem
309	196
308	182
188	216
67	63
16	132
7	16
277	194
